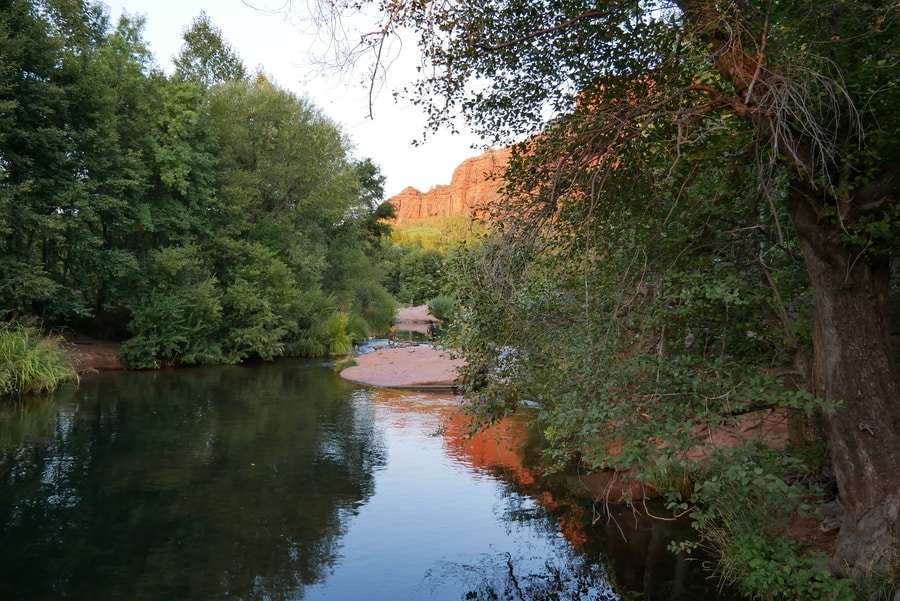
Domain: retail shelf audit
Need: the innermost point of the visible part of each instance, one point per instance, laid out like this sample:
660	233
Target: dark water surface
279	481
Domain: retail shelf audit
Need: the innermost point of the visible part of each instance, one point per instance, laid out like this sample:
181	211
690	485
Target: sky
264	37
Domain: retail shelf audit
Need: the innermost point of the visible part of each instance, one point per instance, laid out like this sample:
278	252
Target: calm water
281	481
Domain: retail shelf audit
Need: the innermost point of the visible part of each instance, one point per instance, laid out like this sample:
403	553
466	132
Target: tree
814	84
206	57
38	69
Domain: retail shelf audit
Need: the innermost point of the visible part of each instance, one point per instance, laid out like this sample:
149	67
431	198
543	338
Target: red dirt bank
89	355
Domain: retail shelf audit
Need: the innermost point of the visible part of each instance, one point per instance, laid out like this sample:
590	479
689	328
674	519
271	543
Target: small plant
777	569
882	581
31	363
744	510
343	364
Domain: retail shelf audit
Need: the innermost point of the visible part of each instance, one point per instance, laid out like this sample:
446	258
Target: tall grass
333	335
31	362
334	332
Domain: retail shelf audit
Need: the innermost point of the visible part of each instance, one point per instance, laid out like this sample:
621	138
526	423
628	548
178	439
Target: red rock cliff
475	183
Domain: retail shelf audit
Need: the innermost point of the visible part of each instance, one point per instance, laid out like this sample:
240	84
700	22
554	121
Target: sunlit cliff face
475	184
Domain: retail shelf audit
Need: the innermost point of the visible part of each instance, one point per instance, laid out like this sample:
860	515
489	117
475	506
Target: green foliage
776	569
385	210
640	319
331	335
443	307
25	285
416	258
177	317
205	57
335	334
259	305
31	363
414	274
212	217
376	307
746	505
439	233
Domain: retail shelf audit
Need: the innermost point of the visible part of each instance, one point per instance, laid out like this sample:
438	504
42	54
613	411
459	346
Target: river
280	481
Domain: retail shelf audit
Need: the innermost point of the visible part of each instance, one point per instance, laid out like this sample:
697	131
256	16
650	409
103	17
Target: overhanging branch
574	21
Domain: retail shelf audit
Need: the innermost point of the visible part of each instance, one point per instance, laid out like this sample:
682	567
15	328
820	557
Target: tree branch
587	16
881	190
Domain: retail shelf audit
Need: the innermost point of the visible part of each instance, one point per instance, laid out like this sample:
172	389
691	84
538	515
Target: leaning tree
815	82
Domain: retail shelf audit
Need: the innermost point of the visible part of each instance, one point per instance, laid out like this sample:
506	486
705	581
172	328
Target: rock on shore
406	367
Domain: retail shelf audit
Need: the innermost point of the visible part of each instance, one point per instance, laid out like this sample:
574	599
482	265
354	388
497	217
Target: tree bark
853	367
853	362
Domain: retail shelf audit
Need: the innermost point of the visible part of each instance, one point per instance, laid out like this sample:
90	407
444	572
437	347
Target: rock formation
475	183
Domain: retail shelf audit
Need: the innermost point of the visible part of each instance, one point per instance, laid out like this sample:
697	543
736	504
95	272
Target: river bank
419	366
91	355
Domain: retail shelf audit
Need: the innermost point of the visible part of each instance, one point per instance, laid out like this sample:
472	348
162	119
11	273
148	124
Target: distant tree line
202	216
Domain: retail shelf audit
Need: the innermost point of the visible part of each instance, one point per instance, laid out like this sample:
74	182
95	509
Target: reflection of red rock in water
636	544
495	449
501	450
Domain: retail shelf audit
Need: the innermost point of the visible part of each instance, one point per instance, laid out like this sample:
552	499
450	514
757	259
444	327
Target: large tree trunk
853	365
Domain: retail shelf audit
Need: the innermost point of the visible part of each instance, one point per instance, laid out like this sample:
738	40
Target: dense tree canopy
204	216
677	159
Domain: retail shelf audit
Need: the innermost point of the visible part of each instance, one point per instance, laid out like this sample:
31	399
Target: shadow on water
183	486
282	481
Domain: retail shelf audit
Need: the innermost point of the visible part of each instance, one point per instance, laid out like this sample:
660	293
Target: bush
376	308
176	312
442	307
745	509
335	335
332	335
30	362
175	327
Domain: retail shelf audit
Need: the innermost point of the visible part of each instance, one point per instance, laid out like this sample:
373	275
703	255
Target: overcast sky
283	50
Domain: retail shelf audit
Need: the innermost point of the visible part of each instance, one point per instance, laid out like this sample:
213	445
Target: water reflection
280	481
192	485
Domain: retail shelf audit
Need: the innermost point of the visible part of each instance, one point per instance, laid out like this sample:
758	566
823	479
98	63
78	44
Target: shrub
332	335
176	312
745	508
30	362
442	307
335	335
174	327
376	308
